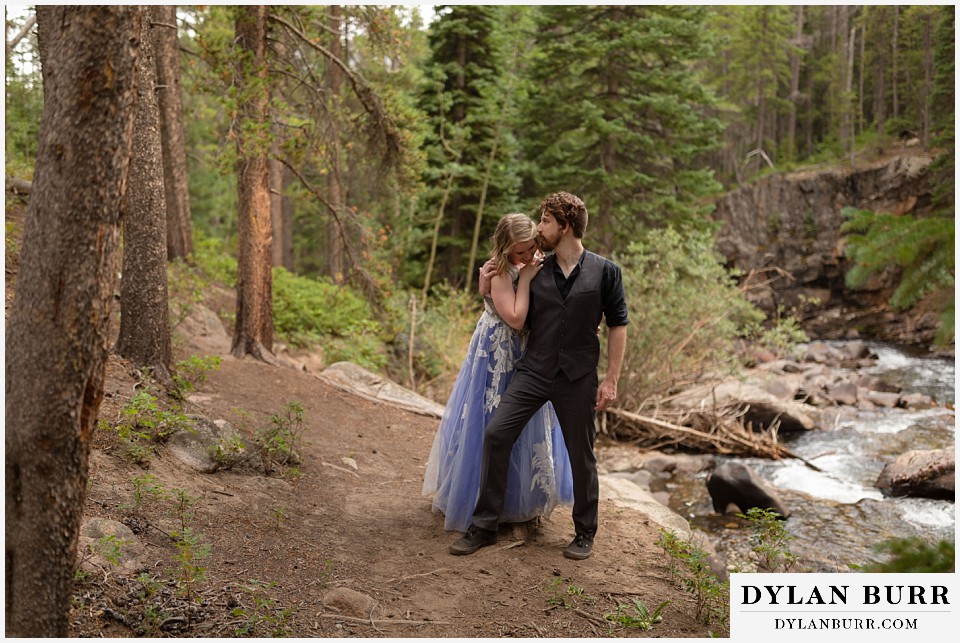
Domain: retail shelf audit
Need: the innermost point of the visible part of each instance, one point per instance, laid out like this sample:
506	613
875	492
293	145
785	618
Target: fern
922	248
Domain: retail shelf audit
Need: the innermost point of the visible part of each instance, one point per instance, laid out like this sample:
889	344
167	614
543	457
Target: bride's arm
513	306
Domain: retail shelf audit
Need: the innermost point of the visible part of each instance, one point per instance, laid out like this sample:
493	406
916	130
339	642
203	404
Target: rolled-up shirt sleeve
614	298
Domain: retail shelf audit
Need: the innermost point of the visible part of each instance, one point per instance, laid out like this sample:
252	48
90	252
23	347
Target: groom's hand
487	270
606	394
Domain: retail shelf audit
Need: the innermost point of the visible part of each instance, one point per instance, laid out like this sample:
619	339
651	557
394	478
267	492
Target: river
838	516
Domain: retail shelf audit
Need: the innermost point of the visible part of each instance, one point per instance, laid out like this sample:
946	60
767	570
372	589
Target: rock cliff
785	229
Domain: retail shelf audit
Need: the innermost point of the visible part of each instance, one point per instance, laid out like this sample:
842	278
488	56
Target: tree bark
144	305
286	217
334	188
927	78
276	203
895	111
880	96
58	328
254	325
170	101
848	104
795	86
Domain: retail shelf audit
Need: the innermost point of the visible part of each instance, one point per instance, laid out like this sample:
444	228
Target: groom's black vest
563	332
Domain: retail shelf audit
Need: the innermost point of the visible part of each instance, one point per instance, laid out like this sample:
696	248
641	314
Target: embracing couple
518	432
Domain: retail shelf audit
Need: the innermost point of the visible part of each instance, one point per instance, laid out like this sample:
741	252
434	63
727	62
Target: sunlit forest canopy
399	135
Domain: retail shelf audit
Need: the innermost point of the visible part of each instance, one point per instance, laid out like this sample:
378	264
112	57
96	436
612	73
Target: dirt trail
358	552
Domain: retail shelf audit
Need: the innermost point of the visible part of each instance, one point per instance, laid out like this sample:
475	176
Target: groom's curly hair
568	209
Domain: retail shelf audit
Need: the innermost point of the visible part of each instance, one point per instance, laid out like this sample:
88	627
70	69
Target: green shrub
912	555
316	312
769	539
637	615
442	332
280	441
192	372
214	259
143	423
686	312
687	564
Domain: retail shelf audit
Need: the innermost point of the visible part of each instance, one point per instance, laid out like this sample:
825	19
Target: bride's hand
530	270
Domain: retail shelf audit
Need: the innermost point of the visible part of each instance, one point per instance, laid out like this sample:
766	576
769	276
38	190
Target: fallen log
724	434
19	186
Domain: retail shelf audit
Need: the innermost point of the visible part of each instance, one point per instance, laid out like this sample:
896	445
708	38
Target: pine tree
923	247
757	75
470	154
616	114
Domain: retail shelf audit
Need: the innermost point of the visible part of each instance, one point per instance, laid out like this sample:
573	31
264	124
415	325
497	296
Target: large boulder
734	483
357	380
920	474
211	445
761	408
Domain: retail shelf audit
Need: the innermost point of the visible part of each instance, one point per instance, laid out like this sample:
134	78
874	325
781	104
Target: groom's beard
545	245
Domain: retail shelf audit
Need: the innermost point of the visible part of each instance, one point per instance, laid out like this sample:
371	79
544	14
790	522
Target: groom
569	296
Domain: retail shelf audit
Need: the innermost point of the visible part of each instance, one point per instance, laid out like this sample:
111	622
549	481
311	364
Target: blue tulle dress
539	477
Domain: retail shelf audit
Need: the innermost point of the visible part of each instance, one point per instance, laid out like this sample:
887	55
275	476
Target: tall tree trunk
895	111
794	87
927	78
861	118
170	102
880	97
276	202
761	97
842	101
254	325
334	189
848	104
145	318
58	328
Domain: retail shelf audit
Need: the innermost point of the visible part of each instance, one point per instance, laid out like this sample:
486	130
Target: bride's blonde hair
511	230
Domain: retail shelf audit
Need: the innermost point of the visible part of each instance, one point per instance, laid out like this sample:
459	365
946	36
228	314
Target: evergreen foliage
912	555
23	106
617	115
922	247
470	153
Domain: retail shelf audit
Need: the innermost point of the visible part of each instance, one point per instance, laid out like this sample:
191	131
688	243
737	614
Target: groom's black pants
573	402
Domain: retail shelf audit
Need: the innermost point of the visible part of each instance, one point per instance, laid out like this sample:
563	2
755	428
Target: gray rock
920	474
885	400
213	445
780	389
107	544
788	416
359	381
874	383
351	602
734	483
917	401
844	392
856	350
624	493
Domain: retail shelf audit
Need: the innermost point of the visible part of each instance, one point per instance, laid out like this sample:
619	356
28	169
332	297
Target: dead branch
721	432
20	35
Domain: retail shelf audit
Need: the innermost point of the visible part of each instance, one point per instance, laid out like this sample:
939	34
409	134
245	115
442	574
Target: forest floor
336	551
